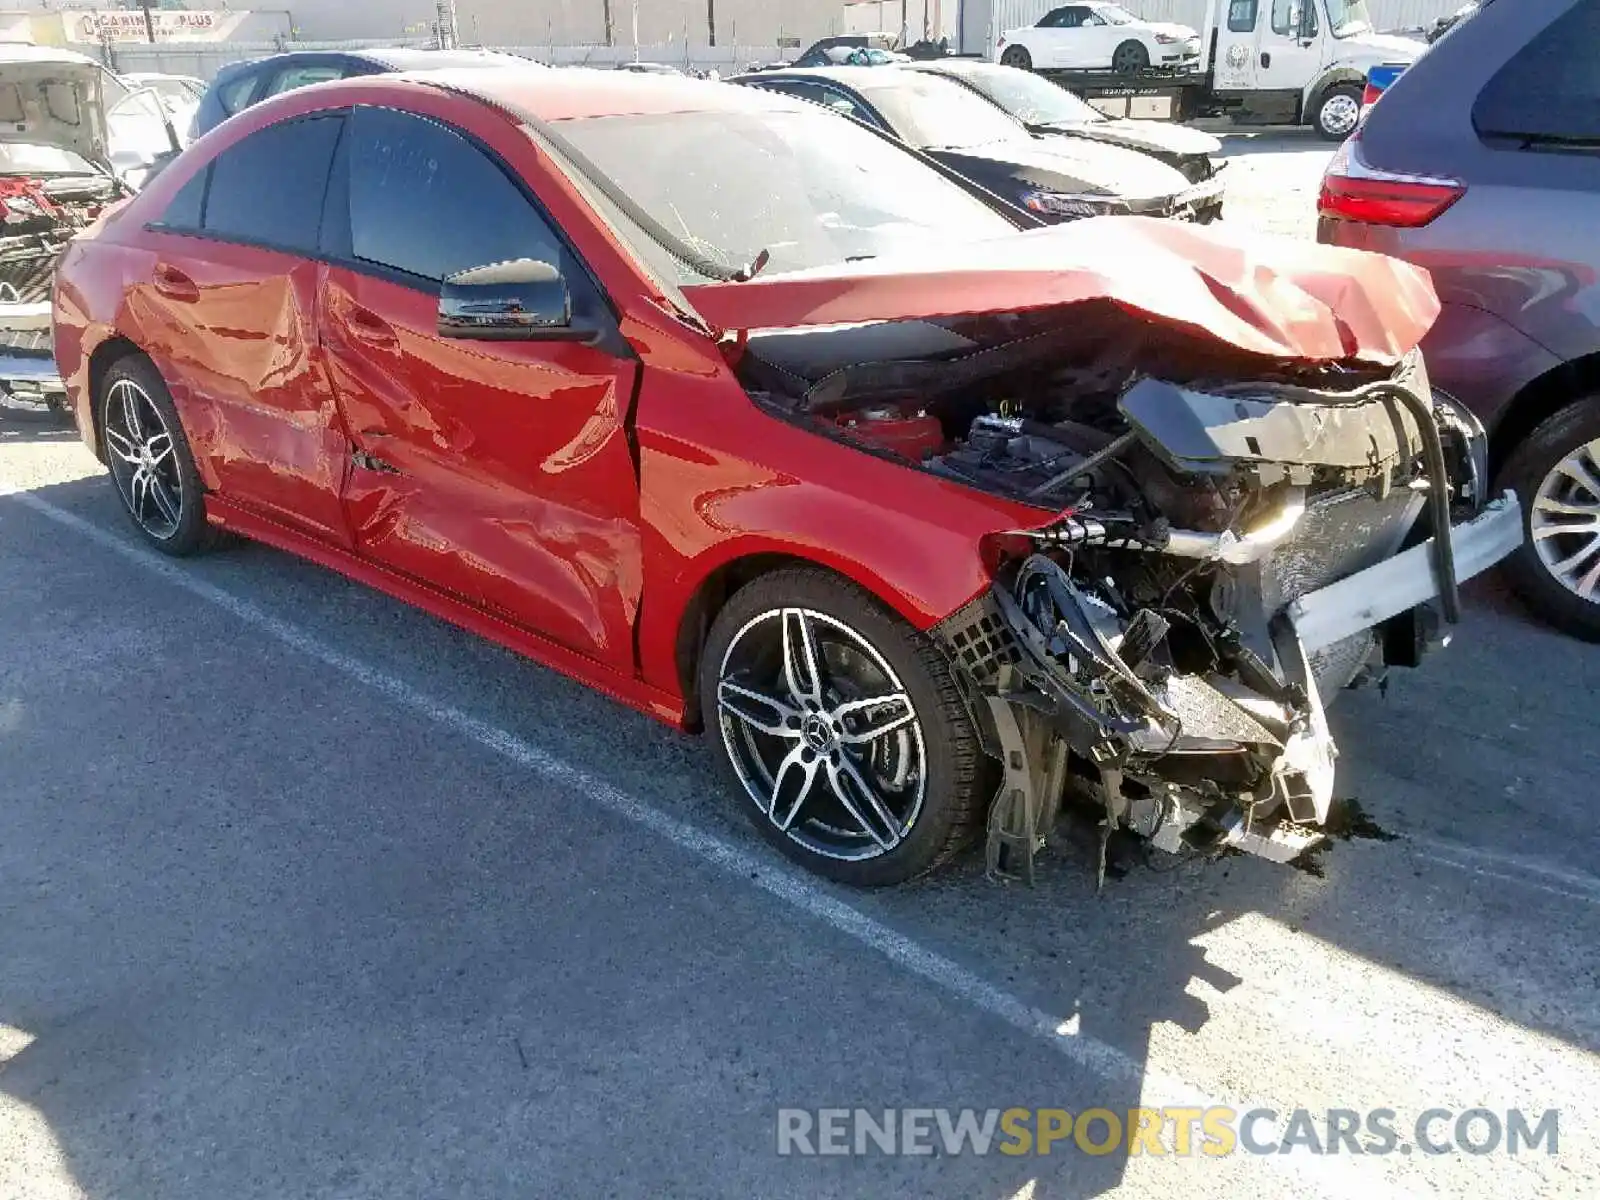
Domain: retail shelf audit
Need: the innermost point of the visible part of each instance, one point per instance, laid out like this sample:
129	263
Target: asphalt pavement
303	892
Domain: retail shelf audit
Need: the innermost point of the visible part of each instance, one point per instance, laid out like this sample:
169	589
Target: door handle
1266	59
174	284
370	328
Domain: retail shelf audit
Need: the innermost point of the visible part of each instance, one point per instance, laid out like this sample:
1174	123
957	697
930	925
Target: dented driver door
497	471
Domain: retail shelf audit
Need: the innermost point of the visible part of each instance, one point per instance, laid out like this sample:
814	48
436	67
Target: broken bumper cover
1185	760
30	382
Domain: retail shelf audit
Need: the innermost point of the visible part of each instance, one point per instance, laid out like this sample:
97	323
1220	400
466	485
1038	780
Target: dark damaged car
931	520
1049	111
1056	178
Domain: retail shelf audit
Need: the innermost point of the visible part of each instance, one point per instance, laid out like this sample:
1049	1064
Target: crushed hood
1278	297
1087	165
46	100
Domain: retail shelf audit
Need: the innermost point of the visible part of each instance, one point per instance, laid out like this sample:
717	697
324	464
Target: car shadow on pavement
271	933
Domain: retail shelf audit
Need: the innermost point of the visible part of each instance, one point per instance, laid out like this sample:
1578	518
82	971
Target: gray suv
1482	164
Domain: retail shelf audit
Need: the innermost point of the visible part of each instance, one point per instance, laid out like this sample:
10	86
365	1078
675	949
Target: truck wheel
842	727
1018	57
1338	112
1556	474
1130	58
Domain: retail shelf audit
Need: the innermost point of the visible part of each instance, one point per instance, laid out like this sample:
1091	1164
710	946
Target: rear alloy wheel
842	727
1338	112
1556	474
1017	56
1130	58
149	458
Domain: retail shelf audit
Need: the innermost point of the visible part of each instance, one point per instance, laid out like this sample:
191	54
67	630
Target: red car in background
755	421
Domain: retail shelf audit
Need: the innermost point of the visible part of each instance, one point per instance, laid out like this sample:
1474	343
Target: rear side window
800	90
268	188
1241	16
235	94
1551	90
183	210
426	201
298	77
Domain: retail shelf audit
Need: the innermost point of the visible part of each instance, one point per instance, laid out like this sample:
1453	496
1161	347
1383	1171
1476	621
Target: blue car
239	85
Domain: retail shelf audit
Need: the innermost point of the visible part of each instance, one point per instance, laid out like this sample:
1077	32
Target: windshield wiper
752	269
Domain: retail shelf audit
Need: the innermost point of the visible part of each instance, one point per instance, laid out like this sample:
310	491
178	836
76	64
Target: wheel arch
719	580
106	355
1318	88
1538	401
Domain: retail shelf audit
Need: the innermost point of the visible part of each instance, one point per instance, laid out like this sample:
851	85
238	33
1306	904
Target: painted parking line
1506	867
1336	1177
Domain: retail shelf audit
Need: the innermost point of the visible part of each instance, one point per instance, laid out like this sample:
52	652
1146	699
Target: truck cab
1296	61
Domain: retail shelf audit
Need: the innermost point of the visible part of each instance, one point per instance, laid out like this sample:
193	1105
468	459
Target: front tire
1018	57
143	443
1556	474
842	728
1338	112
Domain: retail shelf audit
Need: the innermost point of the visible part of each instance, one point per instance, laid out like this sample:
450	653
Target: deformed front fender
915	542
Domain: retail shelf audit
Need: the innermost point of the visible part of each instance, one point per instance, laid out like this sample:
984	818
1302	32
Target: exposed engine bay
38	216
1147	644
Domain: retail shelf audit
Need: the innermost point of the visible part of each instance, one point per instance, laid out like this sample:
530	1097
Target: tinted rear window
234	94
268	189
1551	89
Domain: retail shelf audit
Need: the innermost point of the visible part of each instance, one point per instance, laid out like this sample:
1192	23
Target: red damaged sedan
764	425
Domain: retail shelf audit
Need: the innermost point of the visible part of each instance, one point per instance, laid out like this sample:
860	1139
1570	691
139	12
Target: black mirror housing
523	299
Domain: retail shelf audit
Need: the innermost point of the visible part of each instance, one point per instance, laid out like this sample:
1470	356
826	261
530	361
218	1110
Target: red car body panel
513	483
569	502
1301	301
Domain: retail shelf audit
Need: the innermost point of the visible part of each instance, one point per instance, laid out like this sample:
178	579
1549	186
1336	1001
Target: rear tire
152	468
1547	470
1338	112
1130	58
1018	57
801	745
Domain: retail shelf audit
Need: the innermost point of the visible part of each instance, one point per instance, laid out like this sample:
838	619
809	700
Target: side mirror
520	300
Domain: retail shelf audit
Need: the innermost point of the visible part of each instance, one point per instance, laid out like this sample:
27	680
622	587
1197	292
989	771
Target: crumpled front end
1177	675
38	217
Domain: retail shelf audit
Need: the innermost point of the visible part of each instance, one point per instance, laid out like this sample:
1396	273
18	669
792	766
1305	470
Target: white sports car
1097	36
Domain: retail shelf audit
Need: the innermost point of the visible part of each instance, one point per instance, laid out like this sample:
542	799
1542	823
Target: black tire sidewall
949	799
194	533
1018	57
1526	468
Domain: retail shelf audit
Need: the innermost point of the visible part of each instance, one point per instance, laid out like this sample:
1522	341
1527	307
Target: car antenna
745	274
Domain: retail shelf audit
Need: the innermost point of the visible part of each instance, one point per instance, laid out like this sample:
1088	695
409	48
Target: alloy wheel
1340	114
140	450
1129	57
1564	522
822	733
